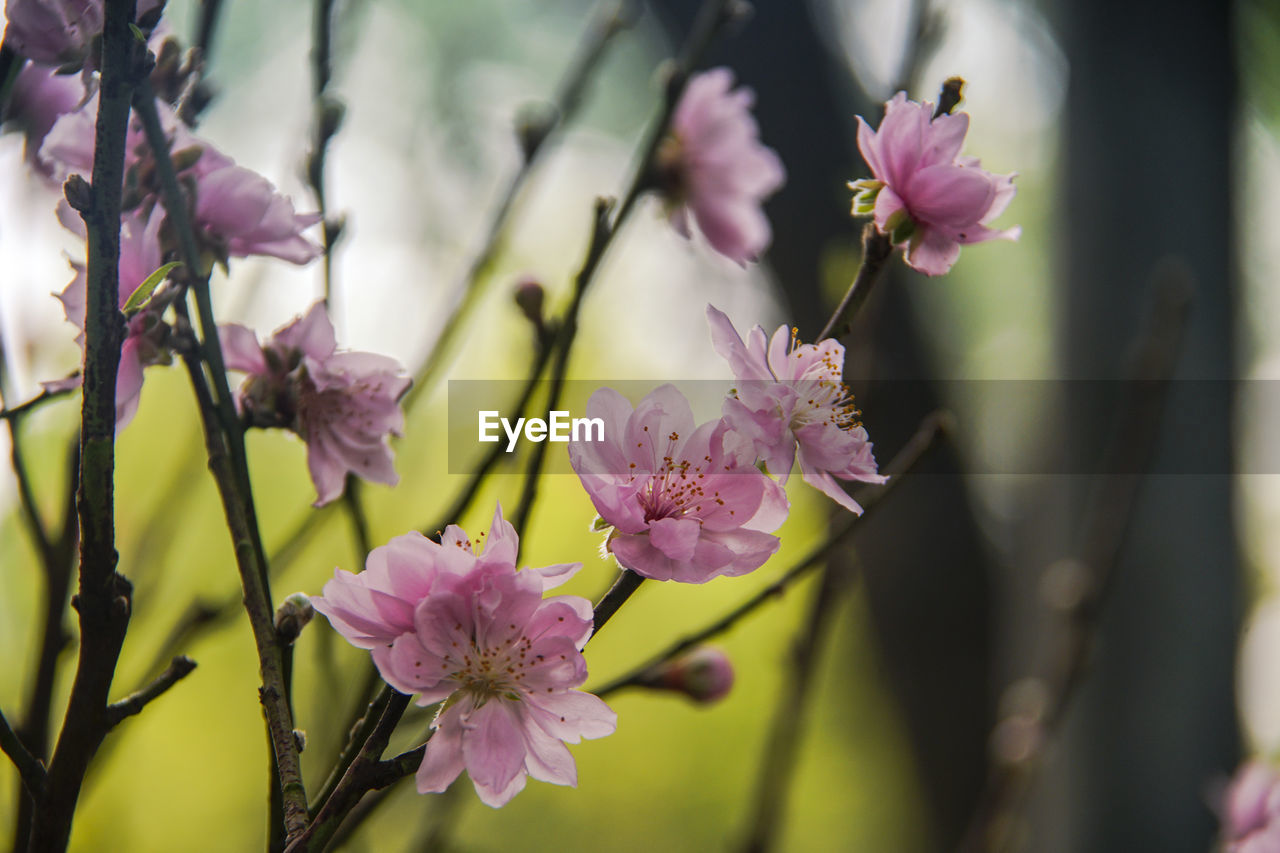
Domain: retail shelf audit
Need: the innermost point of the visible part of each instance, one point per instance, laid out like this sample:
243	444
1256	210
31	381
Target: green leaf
139	298
137	33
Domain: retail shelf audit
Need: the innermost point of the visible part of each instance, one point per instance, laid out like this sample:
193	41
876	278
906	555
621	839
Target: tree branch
179	669
712	16
29	767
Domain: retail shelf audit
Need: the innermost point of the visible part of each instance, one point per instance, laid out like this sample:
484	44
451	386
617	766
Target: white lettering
487	423
513	435
536	429
589	424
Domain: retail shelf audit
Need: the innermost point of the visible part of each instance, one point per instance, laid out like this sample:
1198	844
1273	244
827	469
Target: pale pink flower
58	32
52	32
242	210
237	212
713	166
140	256
39	98
344	405
482	639
680	508
1251	810
373	608
790	402
927	197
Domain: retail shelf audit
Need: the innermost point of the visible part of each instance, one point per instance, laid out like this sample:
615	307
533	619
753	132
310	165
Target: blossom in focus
373	608
713	166
791	403
705	675
482	639
924	195
1251	810
146	335
344	405
680	507
237	212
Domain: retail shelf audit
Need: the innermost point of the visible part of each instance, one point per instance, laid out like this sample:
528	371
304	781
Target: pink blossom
344	405
143	344
791	401
1251	810
237	211
39	98
241	208
926	195
680	508
473	632
375	607
714	166
58	32
52	32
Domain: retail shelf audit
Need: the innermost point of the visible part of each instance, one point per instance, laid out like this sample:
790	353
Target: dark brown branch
1087	577
623	588
104	599
326	117
29	767
178	669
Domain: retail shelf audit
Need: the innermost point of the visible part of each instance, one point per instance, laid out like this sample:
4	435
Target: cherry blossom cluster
454	623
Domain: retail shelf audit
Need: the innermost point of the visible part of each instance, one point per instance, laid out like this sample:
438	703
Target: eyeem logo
558	427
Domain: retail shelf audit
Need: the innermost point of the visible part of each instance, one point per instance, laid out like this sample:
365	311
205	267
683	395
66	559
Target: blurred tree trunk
925	577
1151	110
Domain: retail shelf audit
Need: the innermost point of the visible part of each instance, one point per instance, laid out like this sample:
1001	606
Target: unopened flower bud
78	192
705	675
529	296
293	616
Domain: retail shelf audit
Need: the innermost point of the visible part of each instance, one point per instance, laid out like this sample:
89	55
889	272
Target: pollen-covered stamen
824	397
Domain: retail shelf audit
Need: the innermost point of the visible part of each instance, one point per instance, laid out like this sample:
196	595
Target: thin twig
712	16
29	767
610	18
224	441
178	669
34	403
876	250
869	497
1092	572
209	14
326	115
623	588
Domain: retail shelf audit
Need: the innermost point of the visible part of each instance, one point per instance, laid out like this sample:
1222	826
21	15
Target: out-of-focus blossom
237	211
39	98
344	405
713	166
924	195
680	507
790	400
59	32
52	32
473	632
1251	810
242	210
705	675
145	341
